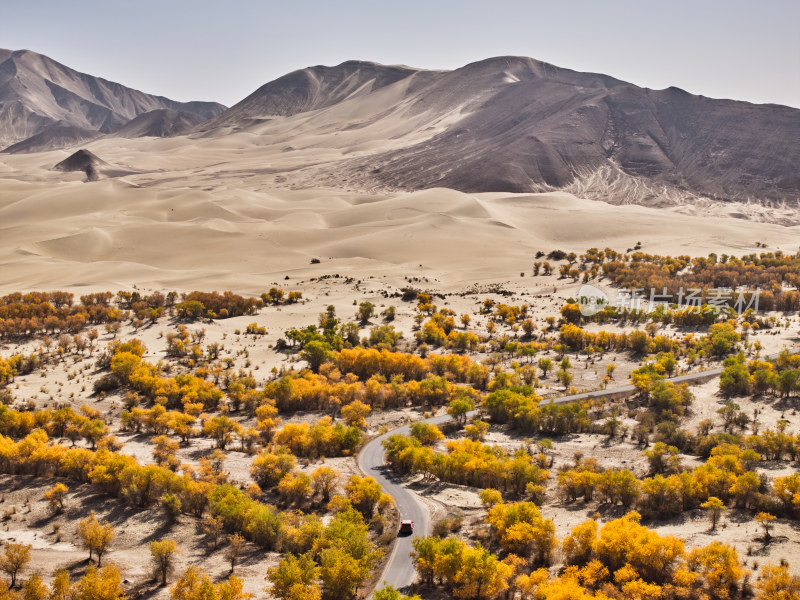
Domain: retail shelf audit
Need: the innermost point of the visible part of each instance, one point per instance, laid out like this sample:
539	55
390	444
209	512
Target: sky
224	50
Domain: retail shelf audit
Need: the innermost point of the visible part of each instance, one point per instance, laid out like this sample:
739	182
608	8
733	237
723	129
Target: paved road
399	570
630	389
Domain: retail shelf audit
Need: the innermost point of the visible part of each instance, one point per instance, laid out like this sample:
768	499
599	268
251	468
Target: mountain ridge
516	124
502	124
37	92
301	90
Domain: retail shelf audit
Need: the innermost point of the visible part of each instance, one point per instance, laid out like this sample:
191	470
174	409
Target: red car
406	527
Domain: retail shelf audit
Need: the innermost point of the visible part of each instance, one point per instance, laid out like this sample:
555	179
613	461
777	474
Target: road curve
399	570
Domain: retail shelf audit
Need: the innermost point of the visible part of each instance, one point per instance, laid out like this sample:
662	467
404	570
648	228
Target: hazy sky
224	50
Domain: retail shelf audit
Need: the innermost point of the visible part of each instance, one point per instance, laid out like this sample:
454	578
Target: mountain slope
309	89
52	136
517	125
162	122
37	92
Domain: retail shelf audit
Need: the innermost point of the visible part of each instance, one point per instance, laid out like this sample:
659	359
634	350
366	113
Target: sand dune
313	162
208	213
92	244
224	209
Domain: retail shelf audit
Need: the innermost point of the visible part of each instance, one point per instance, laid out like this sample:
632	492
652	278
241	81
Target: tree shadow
608	442
576	506
740	516
78	567
198	453
252	558
681	518
387	472
145	590
42	522
224	576
408	590
772	540
773	465
427	488
160	531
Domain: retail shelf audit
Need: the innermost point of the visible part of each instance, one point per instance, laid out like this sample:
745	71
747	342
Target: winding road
399	570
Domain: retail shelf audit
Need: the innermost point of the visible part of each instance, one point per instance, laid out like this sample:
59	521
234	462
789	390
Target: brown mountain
37	93
53	136
309	89
518	125
162	122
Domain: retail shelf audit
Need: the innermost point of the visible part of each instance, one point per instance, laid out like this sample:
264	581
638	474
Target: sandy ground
736	527
27	519
71	380
224	213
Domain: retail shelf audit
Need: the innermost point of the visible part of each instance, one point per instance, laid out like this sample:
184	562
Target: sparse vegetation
261	459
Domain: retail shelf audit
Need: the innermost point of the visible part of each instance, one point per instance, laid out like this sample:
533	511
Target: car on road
406	527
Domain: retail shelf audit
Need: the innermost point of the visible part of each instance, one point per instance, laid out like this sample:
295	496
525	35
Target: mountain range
505	124
516	124
44	104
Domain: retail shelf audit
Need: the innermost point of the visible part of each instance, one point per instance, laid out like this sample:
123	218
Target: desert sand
235	213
